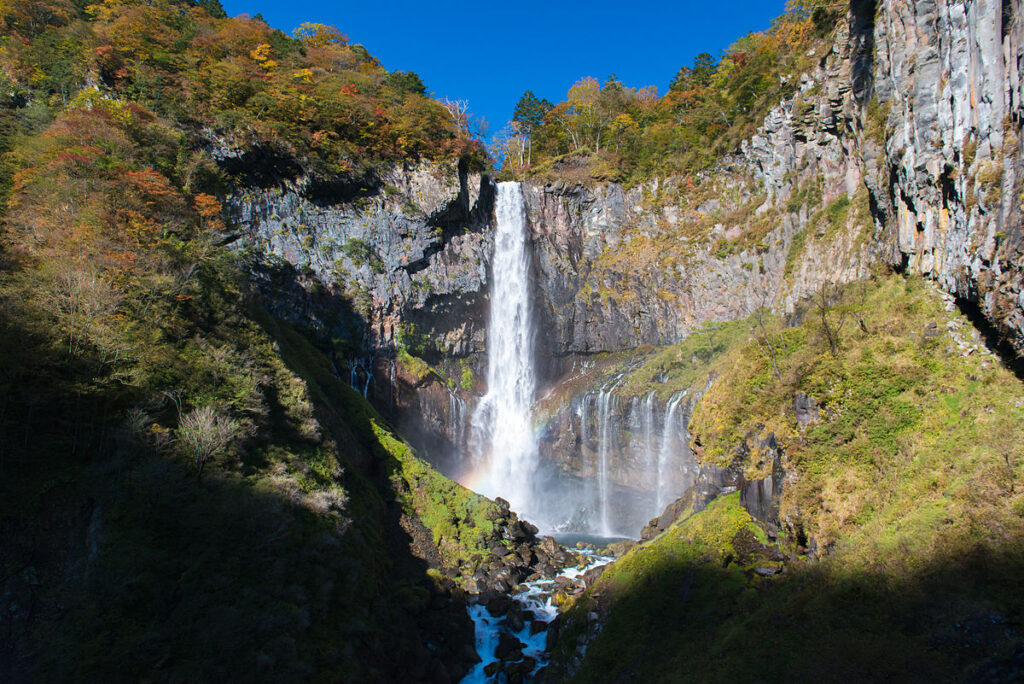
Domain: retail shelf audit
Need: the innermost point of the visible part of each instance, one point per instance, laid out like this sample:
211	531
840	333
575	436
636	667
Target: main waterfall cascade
606	402
633	458
502	428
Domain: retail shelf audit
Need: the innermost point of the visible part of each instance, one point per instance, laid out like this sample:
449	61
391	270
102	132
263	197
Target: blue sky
488	54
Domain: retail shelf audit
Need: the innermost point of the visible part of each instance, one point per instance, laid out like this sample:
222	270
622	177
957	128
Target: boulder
549	546
508	645
514	621
499	605
591	575
805	408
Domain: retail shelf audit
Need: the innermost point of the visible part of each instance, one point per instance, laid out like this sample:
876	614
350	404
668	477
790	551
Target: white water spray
502	427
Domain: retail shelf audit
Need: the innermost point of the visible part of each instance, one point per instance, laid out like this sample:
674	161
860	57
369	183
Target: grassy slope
910	481
915	437
456	517
684	366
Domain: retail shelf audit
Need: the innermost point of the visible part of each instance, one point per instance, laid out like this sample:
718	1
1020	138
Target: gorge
297	382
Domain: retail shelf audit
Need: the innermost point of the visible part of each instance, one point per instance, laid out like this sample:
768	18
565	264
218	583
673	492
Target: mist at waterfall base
501	453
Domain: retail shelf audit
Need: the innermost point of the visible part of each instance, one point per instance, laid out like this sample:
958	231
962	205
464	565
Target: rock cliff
900	149
399	258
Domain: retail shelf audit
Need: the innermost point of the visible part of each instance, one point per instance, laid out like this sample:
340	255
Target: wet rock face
645	444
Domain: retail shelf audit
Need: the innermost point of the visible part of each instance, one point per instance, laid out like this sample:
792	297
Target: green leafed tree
528	116
406	82
699	75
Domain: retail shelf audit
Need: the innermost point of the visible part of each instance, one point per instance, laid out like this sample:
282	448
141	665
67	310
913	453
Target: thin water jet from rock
668	455
606	404
651	453
591	490
456	420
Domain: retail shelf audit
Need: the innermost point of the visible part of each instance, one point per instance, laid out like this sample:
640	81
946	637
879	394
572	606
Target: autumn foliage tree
313	96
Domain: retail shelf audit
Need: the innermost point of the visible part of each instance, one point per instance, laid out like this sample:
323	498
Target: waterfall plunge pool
571	539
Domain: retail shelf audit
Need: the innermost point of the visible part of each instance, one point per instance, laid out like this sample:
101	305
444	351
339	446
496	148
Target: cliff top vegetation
604	130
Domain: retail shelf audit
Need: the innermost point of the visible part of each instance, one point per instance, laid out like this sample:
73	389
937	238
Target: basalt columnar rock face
902	147
947	183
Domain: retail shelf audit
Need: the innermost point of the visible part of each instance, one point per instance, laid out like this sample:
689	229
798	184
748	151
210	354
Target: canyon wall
901	149
395	259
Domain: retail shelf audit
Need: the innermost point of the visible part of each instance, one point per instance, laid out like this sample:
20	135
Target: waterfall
391	385
606	403
367	369
502	427
647	424
456	420
603	405
667	456
590	493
